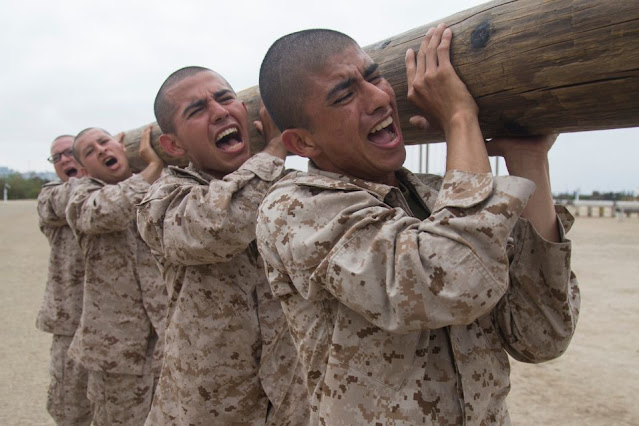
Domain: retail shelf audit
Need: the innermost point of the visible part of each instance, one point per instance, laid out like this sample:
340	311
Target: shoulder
52	184
85	185
306	198
432	181
48	189
172	179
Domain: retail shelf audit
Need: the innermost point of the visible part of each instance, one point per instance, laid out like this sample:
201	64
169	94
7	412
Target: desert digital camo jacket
62	303
403	322
228	350
124	296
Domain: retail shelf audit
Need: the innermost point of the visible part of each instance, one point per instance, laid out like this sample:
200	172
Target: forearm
96	209
209	227
466	149
152	172
194	223
52	203
401	274
540	210
538	315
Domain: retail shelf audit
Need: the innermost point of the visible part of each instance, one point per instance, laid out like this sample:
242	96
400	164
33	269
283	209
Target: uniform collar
329	180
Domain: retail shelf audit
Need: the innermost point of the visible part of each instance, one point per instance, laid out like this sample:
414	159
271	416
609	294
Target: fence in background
602	208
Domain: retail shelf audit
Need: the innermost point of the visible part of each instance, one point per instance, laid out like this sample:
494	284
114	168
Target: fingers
431	48
419	121
146	136
410	67
443	50
260	128
434	50
120	137
422	60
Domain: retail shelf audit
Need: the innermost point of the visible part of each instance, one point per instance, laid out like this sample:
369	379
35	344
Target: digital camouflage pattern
124	297
62	303
67	401
61	307
122	399
400	321
228	352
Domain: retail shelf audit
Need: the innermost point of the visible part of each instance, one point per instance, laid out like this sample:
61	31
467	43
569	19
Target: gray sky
72	64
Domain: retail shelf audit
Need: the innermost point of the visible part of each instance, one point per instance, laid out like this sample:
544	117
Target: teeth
383	124
226	133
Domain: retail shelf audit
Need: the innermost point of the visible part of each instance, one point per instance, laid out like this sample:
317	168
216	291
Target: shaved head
61	137
75	140
163	108
285	70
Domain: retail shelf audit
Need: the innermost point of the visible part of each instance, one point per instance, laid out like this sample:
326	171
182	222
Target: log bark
533	66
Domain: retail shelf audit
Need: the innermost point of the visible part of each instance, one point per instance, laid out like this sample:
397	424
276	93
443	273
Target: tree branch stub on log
533	66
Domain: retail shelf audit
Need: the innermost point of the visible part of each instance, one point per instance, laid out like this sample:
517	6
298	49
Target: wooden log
533	66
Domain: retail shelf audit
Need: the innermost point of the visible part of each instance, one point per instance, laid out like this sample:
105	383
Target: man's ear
171	145
300	142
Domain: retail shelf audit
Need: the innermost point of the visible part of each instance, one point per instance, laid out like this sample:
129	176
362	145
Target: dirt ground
594	383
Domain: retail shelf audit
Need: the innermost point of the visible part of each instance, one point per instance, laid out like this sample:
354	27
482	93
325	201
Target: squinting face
103	156
211	123
354	120
66	167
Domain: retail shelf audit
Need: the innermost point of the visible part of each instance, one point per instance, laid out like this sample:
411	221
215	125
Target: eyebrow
222	92
371	69
198	103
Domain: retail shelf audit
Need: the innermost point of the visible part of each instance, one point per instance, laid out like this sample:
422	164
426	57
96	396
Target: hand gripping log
533	67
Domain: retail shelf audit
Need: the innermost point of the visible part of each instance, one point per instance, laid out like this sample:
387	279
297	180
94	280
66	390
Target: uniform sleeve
401	274
192	224
537	316
52	203
99	209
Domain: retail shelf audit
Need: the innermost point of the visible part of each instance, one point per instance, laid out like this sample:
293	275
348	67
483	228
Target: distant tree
564	196
22	188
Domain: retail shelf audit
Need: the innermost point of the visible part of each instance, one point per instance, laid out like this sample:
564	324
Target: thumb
259	127
419	122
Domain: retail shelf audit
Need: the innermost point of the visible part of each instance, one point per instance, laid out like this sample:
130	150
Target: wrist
461	121
525	163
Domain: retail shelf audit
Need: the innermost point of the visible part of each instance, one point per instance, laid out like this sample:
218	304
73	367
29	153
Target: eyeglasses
57	157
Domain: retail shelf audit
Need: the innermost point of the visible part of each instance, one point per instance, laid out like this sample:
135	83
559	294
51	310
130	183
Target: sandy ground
594	383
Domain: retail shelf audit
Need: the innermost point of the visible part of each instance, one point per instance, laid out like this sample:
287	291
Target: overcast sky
68	65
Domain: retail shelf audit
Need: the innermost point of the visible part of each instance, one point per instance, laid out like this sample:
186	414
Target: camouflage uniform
400	321
124	303
61	308
228	351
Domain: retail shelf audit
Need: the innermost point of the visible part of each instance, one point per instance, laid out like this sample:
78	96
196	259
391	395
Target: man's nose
377	98
218	112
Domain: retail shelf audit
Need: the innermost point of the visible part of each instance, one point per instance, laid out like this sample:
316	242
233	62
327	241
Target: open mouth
229	140
385	133
111	162
71	172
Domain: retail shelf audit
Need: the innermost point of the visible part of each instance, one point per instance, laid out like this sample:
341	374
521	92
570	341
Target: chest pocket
382	356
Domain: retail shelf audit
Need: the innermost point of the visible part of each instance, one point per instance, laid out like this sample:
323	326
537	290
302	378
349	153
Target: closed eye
344	98
194	112
374	79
